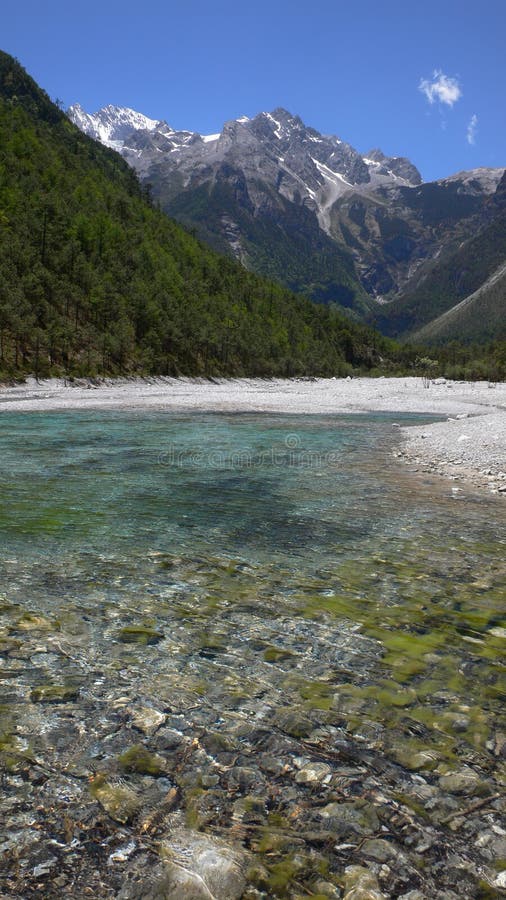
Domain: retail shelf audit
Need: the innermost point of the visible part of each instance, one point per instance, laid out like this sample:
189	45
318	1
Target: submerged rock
293	722
348	819
313	773
118	800
54	693
500	881
195	867
138	634
380	850
147	720
466	781
36	622
361	884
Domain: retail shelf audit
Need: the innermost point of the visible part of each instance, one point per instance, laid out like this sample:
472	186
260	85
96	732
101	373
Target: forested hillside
94	279
284	244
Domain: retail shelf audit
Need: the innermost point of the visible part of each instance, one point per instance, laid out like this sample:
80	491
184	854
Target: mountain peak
376	154
391	167
111	124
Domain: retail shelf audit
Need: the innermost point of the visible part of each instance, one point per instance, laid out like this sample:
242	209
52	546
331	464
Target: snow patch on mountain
111	125
329	173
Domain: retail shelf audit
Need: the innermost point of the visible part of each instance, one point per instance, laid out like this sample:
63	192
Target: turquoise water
261	487
216	524
246	485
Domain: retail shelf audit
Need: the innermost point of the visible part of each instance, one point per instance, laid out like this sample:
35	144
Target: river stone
361	884
463	782
416	760
351	818
140	634
380	850
499	745
293	722
314	773
147	720
327	889
195	867
118	800
494	842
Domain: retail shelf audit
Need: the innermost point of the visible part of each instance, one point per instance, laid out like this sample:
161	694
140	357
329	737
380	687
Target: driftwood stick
469	809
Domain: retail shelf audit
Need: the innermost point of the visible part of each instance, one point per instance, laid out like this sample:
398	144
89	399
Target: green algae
139	759
277	654
9	644
417	755
414	805
54	693
336	607
277	820
424	636
14	754
281	875
317	695
31	621
193	813
140	634
119	801
210	643
387	694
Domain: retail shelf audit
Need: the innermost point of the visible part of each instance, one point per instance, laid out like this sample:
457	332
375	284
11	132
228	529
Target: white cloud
471	129
442	89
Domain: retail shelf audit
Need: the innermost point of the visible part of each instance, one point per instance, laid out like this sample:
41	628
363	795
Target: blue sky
419	79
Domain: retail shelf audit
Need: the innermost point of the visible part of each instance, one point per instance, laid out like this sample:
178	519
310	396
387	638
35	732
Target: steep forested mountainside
94	279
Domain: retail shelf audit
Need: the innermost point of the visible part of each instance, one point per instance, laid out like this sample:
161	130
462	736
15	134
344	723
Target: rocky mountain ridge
304	208
306	167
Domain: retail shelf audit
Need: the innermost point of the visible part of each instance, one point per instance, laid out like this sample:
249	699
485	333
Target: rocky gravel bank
464	449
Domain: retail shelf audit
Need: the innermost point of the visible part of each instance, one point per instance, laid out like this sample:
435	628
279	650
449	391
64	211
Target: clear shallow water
265	564
306	507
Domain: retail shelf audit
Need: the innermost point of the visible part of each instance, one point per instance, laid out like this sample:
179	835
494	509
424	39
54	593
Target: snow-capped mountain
305	166
112	124
302	207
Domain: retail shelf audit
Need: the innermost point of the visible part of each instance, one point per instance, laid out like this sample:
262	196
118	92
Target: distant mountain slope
395	232
480	317
94	279
471	270
285	239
